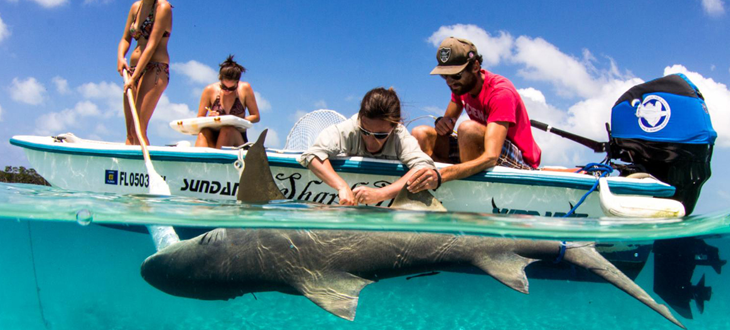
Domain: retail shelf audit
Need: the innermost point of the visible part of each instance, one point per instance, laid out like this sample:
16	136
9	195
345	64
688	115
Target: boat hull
211	174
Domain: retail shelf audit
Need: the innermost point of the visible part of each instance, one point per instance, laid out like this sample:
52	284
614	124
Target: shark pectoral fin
508	268
422	201
335	292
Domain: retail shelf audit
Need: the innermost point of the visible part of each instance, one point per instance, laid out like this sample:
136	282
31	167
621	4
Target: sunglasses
229	89
452	76
379	136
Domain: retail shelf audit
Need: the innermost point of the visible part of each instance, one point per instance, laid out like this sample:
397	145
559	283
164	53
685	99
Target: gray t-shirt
344	139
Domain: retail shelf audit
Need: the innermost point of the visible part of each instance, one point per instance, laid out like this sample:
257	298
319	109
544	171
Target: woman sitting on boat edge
232	94
375	131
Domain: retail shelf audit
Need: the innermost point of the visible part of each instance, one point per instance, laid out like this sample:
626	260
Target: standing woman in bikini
228	96
149	22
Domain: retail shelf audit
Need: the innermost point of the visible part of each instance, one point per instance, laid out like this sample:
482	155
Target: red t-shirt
499	101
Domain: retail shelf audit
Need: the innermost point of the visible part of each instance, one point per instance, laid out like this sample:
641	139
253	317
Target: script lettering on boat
290	191
292	179
210	187
557	214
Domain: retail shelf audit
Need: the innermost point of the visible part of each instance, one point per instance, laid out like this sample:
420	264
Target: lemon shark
331	267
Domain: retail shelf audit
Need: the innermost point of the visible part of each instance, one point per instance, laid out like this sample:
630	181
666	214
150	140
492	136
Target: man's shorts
511	156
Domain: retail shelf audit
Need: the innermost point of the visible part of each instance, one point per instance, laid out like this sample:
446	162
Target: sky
570	61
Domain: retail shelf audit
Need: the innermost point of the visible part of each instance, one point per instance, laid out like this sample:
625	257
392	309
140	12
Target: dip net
306	130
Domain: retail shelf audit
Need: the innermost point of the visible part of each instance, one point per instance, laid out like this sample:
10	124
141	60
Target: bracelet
436	122
438	174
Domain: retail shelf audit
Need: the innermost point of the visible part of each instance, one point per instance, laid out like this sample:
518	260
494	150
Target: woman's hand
213	113
346	196
423	179
121	66
129	85
367	195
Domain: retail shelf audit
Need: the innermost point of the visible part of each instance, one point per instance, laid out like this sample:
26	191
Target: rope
595	168
35	277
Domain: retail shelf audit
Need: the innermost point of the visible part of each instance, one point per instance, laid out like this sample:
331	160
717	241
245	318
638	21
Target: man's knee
423	132
470	129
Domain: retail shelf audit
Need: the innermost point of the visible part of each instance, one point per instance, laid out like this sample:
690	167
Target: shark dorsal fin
422	201
256	184
333	291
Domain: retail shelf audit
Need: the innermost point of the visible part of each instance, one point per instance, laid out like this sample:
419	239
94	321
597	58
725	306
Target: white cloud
167	111
717	98
108	93
262	103
59	122
713	8
272	137
50	3
297	115
61	85
4	31
545	62
493	49
28	91
102	90
321	104
195	71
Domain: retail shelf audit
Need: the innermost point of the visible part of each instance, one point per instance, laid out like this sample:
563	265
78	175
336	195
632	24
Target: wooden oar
163	236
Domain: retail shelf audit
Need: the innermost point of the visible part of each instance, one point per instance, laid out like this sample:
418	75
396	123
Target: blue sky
570	61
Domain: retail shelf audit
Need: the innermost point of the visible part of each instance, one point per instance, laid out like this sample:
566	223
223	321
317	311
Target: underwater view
71	260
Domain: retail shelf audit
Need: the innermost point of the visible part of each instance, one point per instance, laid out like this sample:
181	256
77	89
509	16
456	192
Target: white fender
633	206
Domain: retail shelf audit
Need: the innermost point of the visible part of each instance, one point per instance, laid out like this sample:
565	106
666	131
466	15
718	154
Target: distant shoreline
20	174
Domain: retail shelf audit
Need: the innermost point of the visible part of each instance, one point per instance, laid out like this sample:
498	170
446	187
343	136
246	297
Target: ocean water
62	267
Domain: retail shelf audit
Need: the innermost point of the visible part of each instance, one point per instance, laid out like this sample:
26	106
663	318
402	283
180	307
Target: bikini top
145	29
237	109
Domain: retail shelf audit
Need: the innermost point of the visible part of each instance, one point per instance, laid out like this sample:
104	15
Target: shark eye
635	103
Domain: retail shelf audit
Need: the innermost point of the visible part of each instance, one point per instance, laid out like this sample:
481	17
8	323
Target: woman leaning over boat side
375	131
150	23
229	96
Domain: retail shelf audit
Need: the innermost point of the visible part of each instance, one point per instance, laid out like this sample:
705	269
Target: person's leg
229	136
471	146
206	138
471	140
434	145
150	88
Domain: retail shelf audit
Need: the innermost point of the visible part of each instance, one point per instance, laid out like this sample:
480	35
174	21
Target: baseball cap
454	55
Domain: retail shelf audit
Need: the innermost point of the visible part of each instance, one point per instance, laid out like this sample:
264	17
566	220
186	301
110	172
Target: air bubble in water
84	217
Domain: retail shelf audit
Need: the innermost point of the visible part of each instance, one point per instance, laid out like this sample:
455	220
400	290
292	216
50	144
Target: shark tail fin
508	268
336	292
587	257
256	184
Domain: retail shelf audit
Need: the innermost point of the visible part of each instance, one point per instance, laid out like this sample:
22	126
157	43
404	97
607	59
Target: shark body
331	267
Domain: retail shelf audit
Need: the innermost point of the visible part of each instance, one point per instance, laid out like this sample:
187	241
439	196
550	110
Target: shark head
198	268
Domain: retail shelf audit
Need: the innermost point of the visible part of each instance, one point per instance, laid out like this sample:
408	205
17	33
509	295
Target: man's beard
463	88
